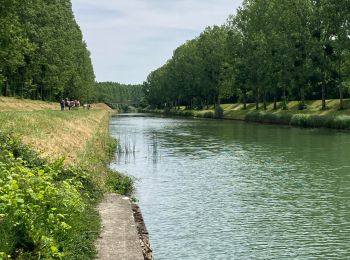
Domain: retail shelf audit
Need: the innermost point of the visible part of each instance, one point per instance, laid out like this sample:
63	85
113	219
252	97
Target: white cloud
129	39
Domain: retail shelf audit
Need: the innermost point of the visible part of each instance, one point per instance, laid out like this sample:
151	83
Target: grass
16	104
54	133
81	138
312	116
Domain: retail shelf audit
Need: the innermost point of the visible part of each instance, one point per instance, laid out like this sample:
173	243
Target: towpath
119	238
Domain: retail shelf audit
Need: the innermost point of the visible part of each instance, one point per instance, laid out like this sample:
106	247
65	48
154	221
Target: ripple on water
227	190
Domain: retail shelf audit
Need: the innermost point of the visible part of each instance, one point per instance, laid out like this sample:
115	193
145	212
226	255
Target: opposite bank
311	116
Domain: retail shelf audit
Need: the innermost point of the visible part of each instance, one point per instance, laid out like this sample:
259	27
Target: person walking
62	104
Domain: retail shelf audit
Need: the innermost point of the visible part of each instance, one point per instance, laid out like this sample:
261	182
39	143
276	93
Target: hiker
62	103
68	103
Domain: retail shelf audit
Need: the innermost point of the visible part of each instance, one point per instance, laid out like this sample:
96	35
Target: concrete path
119	238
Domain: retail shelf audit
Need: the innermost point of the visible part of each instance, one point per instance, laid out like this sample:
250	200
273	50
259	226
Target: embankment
53	173
312	116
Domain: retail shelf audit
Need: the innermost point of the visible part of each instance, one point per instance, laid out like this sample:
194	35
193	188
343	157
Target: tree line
117	95
270	51
42	52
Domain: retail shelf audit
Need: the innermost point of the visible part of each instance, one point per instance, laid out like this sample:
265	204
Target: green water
230	190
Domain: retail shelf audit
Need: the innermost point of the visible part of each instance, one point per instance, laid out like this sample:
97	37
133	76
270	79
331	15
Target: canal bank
68	150
124	234
312	116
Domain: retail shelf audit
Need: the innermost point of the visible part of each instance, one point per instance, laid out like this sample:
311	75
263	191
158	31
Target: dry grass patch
55	134
49	131
16	104
102	106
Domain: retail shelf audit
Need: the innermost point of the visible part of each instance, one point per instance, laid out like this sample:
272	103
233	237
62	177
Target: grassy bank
53	171
312	116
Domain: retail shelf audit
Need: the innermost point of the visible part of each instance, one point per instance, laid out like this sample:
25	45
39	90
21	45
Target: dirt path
119	239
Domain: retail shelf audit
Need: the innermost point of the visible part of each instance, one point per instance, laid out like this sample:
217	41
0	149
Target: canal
213	189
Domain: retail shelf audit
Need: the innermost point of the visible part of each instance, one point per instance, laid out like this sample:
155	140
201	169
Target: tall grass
266	117
341	122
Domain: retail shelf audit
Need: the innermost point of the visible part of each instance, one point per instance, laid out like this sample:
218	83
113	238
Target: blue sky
130	38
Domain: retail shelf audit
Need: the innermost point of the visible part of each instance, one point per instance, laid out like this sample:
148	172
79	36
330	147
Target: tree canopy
116	94
269	51
42	52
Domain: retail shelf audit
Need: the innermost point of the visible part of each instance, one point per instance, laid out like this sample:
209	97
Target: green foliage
266	117
208	114
196	76
337	122
270	51
119	96
219	112
42	54
119	183
43	207
341	122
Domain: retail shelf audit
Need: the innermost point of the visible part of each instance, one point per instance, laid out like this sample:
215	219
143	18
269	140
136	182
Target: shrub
42	205
341	122
265	117
336	122
300	120
219	112
207	114
119	183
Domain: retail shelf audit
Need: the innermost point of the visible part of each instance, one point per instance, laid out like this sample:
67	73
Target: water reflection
226	190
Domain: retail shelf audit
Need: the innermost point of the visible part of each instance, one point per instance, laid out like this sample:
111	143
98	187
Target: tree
42	52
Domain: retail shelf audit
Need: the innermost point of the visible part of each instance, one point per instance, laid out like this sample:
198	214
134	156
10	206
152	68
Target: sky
130	38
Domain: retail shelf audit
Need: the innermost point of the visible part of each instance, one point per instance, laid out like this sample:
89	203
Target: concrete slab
119	238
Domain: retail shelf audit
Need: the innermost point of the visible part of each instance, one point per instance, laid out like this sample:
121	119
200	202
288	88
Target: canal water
231	190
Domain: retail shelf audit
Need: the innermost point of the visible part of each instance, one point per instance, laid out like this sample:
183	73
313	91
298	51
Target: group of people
70	104
66	103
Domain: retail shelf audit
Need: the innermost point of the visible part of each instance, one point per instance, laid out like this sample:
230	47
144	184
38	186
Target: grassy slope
313	116
80	136
15	104
51	132
235	111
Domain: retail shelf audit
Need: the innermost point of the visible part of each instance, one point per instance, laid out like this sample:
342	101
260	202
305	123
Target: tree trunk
244	100
341	91
341	97
323	95
265	103
302	99
275	101
42	92
5	88
13	85
285	106
256	98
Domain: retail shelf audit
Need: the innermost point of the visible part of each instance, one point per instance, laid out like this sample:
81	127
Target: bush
208	114
335	122
119	183
301	120
42	205
219	112
341	122
265	117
